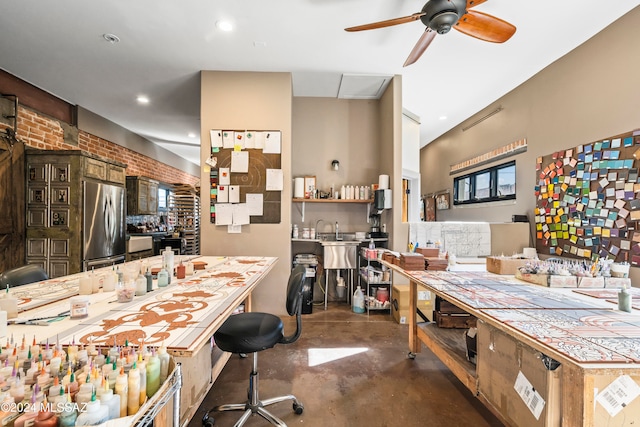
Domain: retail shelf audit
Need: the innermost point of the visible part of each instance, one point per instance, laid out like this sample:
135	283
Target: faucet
337	228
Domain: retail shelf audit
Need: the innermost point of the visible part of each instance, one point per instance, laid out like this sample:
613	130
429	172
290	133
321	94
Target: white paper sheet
529	395
224	175
275	180
240	214
223	194
259	140
224	214
619	394
272	142
227	139
234	194
249	140
240	161
216	138
238	143
255	204
234	229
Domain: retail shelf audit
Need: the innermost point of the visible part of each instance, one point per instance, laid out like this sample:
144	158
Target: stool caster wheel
298	408
208	421
411	355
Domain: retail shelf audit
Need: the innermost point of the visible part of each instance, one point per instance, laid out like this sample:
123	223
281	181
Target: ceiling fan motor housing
441	15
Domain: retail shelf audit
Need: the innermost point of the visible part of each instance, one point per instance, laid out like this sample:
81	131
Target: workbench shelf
370	278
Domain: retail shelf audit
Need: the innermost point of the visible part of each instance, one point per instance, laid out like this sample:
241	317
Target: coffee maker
375	231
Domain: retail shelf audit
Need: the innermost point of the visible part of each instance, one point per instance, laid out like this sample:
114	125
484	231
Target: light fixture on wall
636	154
335	165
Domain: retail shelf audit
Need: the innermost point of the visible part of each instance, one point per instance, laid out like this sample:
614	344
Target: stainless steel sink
339	254
328	238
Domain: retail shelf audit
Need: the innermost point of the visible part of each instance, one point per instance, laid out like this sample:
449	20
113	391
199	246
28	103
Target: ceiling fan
440	16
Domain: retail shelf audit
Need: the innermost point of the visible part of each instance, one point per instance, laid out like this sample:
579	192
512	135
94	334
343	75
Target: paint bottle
164	357
624	300
142	368
141	284
122	390
133	401
153	375
149	278
111	400
67	415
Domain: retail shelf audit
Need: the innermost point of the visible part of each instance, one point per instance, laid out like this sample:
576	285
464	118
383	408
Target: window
487	185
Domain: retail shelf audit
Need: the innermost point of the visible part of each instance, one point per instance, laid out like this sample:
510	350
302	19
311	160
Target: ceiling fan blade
485	27
474	3
387	23
422	45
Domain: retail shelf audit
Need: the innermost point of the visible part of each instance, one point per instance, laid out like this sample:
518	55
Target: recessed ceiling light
442	118
191	135
224	25
111	38
142	99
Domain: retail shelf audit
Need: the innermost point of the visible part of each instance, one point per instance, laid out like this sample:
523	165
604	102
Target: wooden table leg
414	342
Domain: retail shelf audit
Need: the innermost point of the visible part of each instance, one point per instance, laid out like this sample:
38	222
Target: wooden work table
575	359
182	316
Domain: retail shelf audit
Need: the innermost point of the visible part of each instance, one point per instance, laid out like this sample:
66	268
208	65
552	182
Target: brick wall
44	133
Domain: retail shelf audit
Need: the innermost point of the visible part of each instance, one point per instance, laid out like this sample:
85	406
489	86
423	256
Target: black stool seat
253	332
249	332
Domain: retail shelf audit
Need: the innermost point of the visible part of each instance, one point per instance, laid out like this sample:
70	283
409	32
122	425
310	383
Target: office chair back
26	274
294	300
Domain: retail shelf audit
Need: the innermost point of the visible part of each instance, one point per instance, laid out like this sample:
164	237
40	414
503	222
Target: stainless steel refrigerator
103	227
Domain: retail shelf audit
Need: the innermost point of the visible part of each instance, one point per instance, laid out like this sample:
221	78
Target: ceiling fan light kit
439	16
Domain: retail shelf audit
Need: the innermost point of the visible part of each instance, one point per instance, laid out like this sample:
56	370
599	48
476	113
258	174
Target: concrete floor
377	387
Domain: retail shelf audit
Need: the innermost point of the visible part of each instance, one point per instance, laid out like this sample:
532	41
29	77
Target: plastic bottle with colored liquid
142	368
67	415
153	374
164	363
133	401
121	390
111	400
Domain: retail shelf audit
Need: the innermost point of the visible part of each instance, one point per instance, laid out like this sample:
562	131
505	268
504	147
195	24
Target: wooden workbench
567	353
182	316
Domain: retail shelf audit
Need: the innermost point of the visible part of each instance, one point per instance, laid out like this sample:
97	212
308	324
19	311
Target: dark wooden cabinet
54	215
142	196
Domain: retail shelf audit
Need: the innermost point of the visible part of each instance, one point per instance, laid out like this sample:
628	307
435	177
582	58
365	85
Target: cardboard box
503	363
504	265
400	303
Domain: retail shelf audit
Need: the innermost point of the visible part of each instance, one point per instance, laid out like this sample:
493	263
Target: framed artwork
309	186
442	201
430	208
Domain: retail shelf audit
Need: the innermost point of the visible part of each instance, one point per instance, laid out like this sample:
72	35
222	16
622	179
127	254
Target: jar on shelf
382	294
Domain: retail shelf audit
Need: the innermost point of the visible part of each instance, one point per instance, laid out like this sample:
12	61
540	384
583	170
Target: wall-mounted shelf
361	201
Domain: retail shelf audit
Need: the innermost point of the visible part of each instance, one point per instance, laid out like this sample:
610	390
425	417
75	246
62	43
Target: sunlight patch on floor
318	356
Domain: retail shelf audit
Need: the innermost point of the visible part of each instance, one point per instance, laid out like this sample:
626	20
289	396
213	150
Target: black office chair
253	332
22	275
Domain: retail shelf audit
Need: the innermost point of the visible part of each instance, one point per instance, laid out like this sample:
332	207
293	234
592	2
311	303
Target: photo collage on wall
588	201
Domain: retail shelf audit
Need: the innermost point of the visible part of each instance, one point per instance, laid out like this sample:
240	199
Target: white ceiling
59	46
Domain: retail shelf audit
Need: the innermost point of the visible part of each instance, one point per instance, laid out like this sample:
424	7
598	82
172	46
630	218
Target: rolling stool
254	332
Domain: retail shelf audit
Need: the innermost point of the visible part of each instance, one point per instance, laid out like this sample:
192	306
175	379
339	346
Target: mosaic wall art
588	201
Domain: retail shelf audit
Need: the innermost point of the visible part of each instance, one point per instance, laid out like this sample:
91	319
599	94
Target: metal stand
171	387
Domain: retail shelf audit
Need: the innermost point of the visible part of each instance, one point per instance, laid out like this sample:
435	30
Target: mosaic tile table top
178	316
586	336
480	290
574	327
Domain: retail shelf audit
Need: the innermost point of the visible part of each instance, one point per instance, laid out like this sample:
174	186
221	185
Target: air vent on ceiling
362	86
